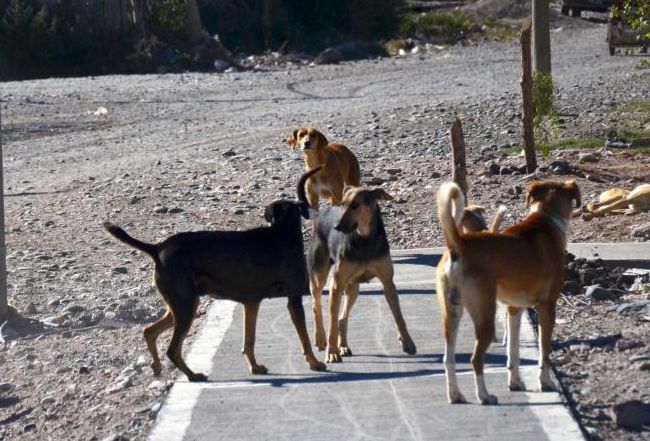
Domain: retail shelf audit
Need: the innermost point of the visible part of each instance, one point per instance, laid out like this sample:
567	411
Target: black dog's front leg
297	313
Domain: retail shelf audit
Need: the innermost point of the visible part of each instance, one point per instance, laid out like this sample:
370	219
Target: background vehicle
577	6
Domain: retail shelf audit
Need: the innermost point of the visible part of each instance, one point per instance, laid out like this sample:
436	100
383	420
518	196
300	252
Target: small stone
635	358
228	153
329	56
174	210
5	387
31	309
54	303
588	157
156	384
624	344
84	370
644	367
632	414
572	287
596	292
120	270
48	401
29	427
160	209
74	308
63	370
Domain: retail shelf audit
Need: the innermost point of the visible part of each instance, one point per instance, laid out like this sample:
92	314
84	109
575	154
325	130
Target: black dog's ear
274	213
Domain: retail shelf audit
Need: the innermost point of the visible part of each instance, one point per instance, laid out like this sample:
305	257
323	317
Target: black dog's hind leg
250	321
183	317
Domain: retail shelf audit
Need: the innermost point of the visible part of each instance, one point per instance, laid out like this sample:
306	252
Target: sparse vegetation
452	27
545	119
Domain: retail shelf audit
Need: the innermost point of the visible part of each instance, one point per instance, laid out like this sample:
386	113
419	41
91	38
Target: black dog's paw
198	378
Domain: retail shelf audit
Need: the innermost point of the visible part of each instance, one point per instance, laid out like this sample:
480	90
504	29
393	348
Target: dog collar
557	220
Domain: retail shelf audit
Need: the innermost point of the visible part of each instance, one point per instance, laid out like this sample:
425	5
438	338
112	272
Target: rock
597	292
624	344
561	167
632	306
63	370
31	309
229	153
587	275
55	320
589	157
642	230
221	65
635	358
572	287
120	270
54	303
84	370
156	384
5	387
329	56
160	209
174	210
74	308
29	427
632	414
493	168
48	401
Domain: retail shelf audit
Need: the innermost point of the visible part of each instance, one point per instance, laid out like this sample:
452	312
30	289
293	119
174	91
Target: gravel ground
193	151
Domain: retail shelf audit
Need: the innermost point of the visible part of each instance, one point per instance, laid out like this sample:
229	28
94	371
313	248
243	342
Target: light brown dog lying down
521	267
340	166
621	201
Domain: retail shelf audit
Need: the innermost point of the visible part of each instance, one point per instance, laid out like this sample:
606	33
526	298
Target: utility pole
4	309
541	36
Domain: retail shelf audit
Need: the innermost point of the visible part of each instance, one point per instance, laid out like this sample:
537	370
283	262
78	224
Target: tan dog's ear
292	139
380	194
322	140
574	191
536	192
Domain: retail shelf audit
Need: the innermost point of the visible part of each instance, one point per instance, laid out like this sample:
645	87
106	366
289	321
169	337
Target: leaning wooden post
458	163
4	309
527	95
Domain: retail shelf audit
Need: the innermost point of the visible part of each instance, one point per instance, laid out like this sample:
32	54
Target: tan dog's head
472	220
554	197
307	139
360	209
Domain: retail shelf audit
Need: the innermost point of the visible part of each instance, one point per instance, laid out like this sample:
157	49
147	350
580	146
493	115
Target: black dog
244	266
351	237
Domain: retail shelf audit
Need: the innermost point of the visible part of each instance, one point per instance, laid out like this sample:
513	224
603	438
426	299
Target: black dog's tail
302	194
122	236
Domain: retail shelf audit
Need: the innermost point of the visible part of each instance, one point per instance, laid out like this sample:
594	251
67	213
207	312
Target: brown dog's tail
122	236
451	203
498	218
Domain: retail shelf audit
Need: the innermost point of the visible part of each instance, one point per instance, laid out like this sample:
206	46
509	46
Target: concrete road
378	394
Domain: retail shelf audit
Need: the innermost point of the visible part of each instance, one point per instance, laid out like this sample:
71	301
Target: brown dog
340	166
352	238
521	267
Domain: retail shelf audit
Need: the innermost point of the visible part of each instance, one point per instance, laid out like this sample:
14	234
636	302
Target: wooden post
527	95
541	36
458	163
4	309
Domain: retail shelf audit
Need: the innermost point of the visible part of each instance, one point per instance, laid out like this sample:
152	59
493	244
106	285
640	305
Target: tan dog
340	166
352	238
621	201
521	267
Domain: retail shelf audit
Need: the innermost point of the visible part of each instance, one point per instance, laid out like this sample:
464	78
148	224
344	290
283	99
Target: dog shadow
342	377
430	260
